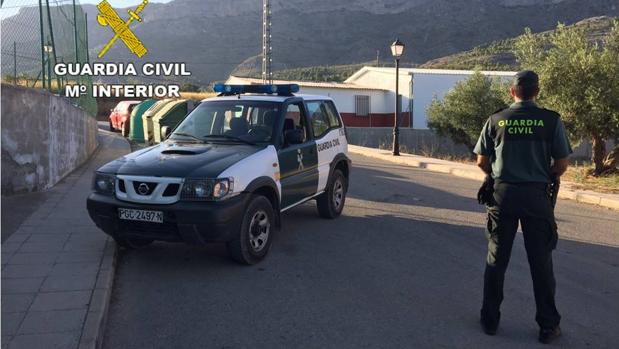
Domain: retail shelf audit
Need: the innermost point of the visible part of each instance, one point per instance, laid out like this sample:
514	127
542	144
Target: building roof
242	80
412	71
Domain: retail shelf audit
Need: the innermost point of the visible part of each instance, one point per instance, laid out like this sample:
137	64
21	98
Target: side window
294	119
323	117
318	117
334	118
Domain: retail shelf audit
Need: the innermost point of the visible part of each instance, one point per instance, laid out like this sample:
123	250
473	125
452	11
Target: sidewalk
58	267
472	172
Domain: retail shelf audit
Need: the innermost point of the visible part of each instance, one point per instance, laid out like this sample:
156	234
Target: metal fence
37	34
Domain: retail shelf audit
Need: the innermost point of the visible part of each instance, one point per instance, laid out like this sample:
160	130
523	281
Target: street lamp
397	49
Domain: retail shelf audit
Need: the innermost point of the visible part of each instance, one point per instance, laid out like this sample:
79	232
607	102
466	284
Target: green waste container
170	115
147	119
136	132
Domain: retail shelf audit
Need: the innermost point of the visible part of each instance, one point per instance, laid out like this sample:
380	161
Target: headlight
207	189
104	183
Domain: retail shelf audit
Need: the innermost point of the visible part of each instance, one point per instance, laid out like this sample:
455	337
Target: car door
298	163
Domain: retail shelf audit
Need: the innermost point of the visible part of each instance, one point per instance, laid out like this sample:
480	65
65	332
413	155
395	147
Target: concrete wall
44	138
421	142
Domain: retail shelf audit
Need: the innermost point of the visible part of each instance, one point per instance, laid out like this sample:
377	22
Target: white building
367	98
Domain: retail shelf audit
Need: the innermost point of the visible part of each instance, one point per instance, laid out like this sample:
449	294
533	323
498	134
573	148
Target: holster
485	195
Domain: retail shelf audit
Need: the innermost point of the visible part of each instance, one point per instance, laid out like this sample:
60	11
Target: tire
256	234
133	243
111	126
124	128
331	203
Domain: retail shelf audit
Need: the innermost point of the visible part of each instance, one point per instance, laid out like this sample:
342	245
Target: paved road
401	268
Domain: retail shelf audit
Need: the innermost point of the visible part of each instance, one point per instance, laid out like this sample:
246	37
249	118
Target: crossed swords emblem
107	16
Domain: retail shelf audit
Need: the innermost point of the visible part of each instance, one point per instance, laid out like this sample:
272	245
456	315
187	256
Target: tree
578	79
464	110
189	87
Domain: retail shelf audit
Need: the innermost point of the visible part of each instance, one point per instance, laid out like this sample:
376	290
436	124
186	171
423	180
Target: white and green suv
227	172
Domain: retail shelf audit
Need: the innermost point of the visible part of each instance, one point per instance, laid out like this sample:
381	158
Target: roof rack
279	89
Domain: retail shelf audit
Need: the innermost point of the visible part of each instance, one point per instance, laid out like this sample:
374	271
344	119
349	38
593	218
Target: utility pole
14	63
75	31
267	75
53	44
42	44
378	58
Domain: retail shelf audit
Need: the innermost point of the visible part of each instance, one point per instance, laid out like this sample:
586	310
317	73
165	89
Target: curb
610	201
96	318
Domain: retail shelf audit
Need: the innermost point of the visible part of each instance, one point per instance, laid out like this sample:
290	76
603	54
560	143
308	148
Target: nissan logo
143	189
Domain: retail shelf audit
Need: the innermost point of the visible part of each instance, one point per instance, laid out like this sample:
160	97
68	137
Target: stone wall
44	138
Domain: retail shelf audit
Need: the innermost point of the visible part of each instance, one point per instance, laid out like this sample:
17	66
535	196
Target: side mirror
165	132
294	136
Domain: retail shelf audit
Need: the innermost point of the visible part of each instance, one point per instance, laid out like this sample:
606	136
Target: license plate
140	215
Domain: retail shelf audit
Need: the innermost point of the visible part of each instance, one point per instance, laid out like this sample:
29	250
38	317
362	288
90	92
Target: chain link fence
37	34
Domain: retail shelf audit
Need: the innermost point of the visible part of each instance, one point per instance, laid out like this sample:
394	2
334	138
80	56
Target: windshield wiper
189	135
232	138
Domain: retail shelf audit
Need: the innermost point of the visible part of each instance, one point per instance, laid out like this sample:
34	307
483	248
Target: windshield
230	121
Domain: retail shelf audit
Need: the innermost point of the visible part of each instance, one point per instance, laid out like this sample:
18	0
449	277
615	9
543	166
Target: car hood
182	160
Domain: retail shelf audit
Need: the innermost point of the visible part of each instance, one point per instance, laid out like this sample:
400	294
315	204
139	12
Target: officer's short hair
526	84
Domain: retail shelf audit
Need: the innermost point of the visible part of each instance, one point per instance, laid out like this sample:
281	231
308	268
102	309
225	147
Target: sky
11	7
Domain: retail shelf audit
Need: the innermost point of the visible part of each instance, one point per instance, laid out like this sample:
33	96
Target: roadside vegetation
461	114
580	174
579	78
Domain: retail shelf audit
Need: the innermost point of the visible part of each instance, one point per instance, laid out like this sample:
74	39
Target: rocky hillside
215	36
498	55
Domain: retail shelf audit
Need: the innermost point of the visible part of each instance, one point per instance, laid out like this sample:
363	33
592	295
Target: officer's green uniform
521	141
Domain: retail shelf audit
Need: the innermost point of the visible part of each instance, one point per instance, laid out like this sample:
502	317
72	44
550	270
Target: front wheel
331	203
254	239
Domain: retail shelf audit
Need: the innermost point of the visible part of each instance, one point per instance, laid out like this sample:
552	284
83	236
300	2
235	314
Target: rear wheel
132	243
111	126
254	239
331	203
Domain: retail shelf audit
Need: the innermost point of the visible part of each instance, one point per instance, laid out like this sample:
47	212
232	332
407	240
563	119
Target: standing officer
522	149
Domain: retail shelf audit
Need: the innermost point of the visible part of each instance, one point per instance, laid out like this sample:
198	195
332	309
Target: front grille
151	187
121	186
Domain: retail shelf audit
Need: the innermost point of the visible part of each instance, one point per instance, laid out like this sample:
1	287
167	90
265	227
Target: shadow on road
386	186
357	281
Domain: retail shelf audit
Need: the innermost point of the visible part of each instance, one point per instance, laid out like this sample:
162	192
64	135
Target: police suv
227	172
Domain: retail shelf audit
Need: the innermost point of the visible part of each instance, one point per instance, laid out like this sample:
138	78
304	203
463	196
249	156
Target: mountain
498	55
214	36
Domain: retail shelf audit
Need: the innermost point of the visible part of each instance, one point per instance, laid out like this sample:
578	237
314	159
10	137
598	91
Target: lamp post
397	49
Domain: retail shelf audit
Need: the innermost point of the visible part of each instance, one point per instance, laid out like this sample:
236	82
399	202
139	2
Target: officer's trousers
529	204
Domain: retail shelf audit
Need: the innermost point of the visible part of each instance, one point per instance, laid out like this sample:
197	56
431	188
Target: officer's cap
526	78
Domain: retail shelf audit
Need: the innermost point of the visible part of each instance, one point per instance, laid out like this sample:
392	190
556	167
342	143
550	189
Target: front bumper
192	222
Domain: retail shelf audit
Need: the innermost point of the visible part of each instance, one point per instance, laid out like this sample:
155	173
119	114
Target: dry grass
198	96
581	176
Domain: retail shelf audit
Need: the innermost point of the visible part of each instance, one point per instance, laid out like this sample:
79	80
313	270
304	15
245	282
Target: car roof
265	97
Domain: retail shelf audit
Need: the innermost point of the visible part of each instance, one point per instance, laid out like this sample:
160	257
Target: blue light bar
280	89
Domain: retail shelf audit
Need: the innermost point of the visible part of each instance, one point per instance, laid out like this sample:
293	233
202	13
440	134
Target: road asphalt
401	268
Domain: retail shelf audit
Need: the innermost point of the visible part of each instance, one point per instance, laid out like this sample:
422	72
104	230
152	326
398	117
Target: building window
362	105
